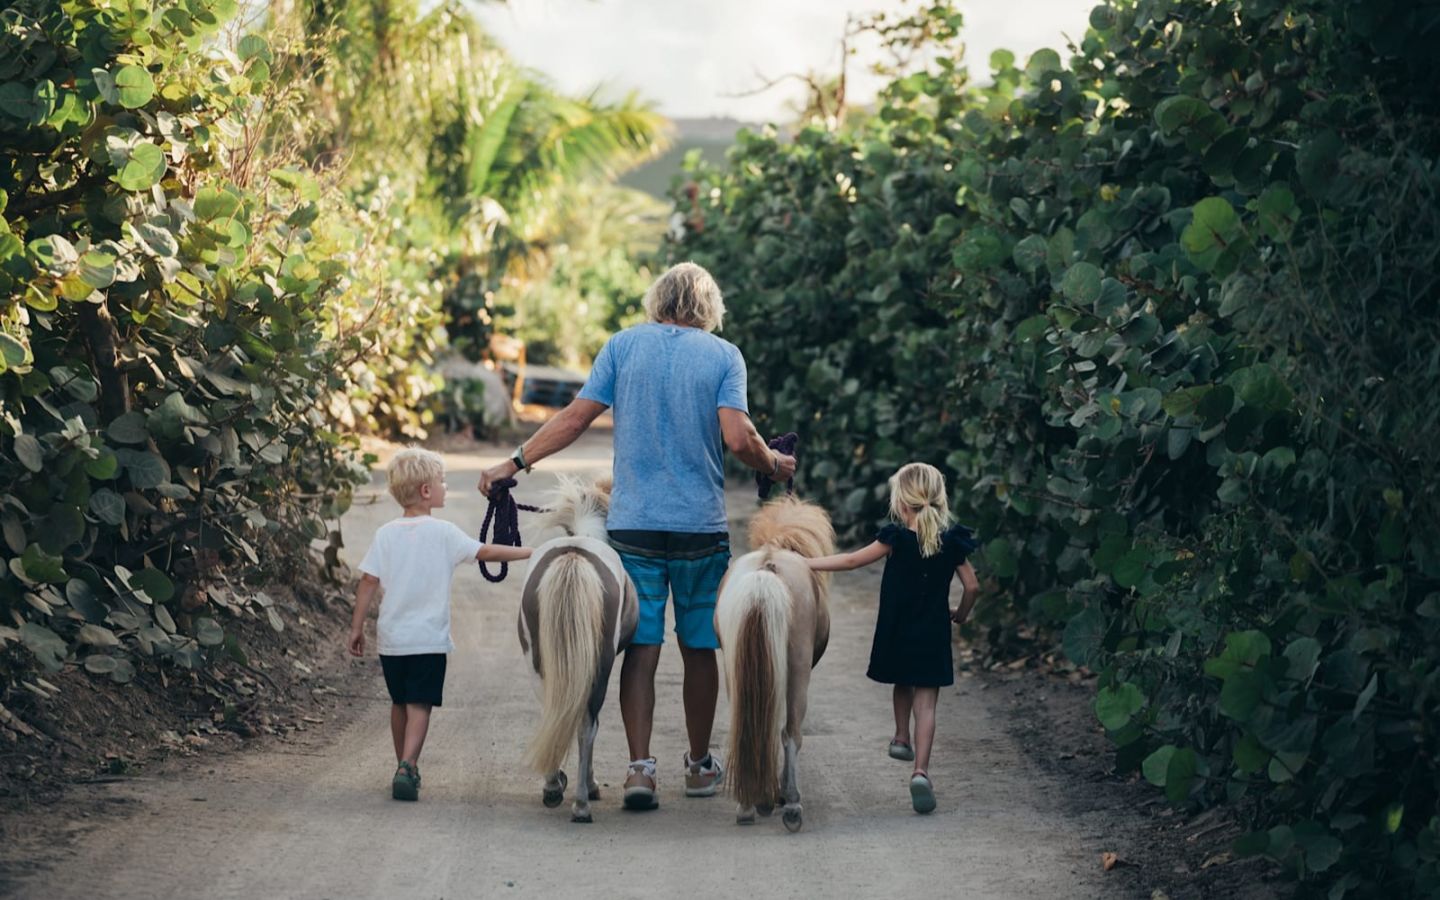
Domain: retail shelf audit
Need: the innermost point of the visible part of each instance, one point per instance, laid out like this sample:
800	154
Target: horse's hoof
583	818
745	816
554	796
792	819
594	792
765	809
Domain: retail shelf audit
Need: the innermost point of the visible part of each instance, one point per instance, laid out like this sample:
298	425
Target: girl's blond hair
686	295
411	469
919	488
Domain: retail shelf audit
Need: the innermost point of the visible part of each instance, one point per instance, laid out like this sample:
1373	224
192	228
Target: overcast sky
687	55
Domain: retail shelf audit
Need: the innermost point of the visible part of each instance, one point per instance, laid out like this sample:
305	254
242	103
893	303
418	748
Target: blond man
412	560
678	393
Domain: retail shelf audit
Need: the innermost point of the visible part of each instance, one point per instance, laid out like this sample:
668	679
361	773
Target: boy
413	558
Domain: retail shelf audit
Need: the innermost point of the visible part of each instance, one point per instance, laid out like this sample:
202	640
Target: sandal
406	783
902	750
922	793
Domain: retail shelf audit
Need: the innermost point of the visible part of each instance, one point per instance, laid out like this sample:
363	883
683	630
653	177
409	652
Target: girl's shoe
922	793
406	783
901	750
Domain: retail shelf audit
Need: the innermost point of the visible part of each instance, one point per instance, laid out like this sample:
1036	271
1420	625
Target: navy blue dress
912	630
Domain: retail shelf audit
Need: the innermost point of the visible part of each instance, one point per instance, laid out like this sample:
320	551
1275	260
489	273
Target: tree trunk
99	329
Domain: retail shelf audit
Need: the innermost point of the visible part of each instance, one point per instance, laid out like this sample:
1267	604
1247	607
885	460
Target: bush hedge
1166	313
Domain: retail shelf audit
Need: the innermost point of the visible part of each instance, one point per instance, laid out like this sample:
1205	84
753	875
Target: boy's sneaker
703	776
406	783
640	792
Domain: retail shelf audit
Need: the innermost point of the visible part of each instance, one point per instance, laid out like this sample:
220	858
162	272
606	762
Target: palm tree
485	151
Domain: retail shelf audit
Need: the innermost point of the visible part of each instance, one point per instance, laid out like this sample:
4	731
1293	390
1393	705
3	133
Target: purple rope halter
507	523
785	444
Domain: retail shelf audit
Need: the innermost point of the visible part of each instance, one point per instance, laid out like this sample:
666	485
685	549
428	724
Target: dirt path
318	822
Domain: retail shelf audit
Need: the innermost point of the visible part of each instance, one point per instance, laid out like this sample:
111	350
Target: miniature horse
578	611
774	623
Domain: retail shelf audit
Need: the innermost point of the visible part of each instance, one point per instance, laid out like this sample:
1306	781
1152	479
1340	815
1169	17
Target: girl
912	632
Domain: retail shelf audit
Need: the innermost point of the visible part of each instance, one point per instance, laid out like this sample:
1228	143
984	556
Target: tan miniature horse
774	623
578	611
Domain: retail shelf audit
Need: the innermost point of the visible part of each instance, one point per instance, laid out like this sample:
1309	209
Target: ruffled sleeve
958	542
890	533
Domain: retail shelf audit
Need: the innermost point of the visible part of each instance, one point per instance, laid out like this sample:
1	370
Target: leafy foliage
587	284
216	263
1167	313
175	321
503	172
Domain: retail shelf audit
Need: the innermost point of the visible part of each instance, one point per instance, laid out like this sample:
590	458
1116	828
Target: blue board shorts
688	567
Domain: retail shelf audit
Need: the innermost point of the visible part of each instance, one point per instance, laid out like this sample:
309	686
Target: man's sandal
406	783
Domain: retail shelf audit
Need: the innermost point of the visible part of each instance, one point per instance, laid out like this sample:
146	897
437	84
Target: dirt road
319	822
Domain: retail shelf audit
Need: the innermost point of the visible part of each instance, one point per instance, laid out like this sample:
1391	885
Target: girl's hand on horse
844	562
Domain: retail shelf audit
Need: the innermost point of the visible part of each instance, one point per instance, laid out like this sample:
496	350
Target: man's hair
686	295
409	470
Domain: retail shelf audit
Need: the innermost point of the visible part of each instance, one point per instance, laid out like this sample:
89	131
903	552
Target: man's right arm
555	435
745	442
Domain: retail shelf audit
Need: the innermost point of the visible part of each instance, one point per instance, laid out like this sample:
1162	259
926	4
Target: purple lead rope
786	444
507	524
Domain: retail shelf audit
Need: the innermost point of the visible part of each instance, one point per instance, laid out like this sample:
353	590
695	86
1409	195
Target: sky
691	56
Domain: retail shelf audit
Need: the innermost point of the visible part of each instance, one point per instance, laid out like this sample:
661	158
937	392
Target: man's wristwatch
518	458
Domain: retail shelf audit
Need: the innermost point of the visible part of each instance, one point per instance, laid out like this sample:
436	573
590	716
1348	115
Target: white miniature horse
774	623
578	611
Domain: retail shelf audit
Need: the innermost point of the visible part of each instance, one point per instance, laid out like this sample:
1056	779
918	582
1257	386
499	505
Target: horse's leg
792	814
580	811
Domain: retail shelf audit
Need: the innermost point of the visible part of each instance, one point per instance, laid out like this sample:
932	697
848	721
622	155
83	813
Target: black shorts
415	679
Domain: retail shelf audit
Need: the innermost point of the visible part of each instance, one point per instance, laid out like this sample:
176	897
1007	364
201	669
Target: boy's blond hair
920	488
687	295
411	469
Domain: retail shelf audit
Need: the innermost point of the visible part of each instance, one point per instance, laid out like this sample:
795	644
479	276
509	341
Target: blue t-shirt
666	384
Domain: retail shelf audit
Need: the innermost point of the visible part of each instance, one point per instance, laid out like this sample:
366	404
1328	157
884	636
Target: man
678	394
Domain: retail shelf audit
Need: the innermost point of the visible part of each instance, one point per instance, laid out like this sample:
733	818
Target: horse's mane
792	524
579	506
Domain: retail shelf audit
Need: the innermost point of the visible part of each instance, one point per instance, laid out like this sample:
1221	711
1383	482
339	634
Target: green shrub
182	312
1166	314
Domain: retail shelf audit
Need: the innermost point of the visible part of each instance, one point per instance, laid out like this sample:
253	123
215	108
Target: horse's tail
755	631
571	624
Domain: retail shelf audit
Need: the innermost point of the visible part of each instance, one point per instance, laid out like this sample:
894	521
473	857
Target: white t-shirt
415	557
